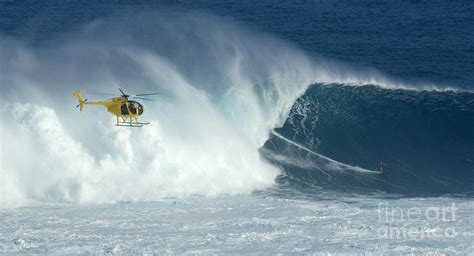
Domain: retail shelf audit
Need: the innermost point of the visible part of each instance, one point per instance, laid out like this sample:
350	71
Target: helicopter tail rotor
81	100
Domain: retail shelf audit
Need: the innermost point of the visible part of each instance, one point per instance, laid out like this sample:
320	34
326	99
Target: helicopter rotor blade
140	98
123	94
145	94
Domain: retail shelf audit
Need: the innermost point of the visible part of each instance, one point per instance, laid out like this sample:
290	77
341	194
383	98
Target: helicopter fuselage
123	107
120	107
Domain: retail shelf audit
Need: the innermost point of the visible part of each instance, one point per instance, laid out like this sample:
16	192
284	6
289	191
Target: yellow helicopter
127	111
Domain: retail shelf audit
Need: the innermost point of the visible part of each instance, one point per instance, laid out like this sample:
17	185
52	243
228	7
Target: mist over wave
224	88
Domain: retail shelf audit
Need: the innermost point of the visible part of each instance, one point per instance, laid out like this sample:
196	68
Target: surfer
380	167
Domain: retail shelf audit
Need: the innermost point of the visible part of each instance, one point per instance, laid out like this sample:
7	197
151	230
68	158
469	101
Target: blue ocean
280	127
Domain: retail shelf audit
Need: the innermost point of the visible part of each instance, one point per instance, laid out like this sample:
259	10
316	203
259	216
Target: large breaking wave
424	138
223	90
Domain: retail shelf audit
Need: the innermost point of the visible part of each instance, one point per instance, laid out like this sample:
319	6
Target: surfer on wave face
380	166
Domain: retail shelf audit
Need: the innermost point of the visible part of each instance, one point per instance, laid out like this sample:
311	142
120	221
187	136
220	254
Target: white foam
330	163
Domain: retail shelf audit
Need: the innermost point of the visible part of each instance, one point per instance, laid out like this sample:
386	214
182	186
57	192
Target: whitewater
215	171
224	89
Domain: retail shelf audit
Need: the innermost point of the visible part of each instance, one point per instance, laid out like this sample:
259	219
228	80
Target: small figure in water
380	167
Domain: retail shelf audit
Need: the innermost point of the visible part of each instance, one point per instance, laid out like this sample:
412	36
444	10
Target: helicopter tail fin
80	99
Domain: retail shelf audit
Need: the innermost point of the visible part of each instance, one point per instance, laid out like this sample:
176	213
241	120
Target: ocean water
241	224
265	139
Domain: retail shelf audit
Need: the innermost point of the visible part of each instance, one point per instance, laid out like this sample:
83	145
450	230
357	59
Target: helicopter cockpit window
140	109
133	108
124	109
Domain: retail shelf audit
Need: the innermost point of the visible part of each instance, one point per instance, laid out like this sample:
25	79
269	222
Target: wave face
425	139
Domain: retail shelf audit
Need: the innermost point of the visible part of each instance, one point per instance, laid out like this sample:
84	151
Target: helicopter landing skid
128	124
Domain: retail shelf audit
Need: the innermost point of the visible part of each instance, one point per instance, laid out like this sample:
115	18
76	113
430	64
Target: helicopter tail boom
80	99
